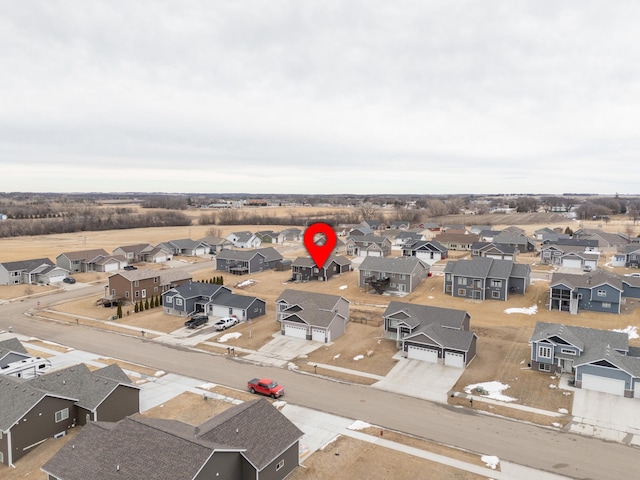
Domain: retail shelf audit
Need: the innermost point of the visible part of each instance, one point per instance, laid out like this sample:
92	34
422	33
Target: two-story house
136	285
244	239
598	291
242	262
428	251
399	274
368	246
30	272
304	269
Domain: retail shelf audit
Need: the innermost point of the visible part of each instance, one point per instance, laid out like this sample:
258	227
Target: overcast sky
326	96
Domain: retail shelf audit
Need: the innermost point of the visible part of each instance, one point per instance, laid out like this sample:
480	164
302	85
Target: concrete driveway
417	378
606	416
282	349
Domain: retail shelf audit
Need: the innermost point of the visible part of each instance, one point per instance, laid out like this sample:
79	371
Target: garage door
374	254
56	278
111	267
454	359
317	335
295	331
421	353
572	263
602	384
636	390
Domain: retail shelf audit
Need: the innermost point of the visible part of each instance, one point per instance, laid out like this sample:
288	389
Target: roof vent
117	468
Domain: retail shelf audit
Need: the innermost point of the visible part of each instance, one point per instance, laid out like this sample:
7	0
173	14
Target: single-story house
304	269
368	246
34	271
456	241
399	274
12	350
495	250
520	241
432	334
313	316
604	239
599	291
144	252
80	261
290	235
407	237
244	240
233	444
216	244
600	360
627	256
241	262
429	251
217	300
186	247
486	278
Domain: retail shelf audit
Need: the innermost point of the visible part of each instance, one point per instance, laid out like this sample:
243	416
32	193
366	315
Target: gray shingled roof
12	345
270	254
426	314
166	276
368	238
77	381
243	426
582	337
137	248
234	300
305	299
483	267
313	317
590	280
17	397
198	289
400	265
26	265
308	261
445	337
143	450
85	254
501	247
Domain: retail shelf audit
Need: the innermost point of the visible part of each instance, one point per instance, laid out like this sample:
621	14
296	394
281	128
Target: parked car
130	267
69	280
587	268
265	386
196	321
226	322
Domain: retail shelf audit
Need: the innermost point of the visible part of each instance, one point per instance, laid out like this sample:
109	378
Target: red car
265	386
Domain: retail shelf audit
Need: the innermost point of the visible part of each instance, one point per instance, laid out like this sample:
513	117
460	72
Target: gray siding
604	372
122	402
224	465
290	462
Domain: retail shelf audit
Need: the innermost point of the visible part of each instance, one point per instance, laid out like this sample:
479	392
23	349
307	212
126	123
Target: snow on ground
563	410
159	373
330	442
630	330
292	366
342	287
527	311
358	357
246	283
229	336
335	357
556	424
358	425
495	390
207	386
490	461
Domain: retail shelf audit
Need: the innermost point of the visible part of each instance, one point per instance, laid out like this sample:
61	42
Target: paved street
546	449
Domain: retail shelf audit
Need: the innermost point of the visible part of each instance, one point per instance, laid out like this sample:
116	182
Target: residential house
250	440
600	360
499	251
627	256
144	252
135	285
598	291
568	257
488	235
630	286
428	251
304	269
12	350
33	271
540	233
400	274
399	225
216	300
478	229
361	230
520	241
216	244
604	239
432	334
244	240
457	228
81	261
241	262
456	241
290	235
186	247
486	278
49	405
368	246
312	316
407	237
588	245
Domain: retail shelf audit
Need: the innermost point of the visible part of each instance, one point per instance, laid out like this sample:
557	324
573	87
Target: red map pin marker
319	248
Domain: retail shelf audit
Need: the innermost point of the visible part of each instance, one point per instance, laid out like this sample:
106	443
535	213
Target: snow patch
159	373
358	357
292	366
279	404
342	287
490	461
489	390
359	425
335	357
229	336
563	410
551	385
556	424
330	442
527	311
207	386
630	330
246	283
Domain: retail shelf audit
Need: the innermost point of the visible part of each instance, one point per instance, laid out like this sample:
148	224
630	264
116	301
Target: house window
155	289
113	292
477	284
568	351
62	415
144	293
544	352
315	270
447	289
495	294
447	277
168	300
137	294
136	283
402	276
606	304
496	283
156	279
602	293
126	294
462	292
279	465
462	281
544	367
179	302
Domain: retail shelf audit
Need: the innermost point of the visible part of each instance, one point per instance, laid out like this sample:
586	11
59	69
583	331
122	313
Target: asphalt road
537	447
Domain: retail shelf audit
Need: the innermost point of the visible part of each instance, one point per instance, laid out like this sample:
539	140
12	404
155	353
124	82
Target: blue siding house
599	291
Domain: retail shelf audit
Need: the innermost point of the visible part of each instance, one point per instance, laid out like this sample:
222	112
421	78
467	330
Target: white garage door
295	331
374	253
636	390
317	335
56	278
218	311
454	359
572	263
111	267
421	353
602	384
